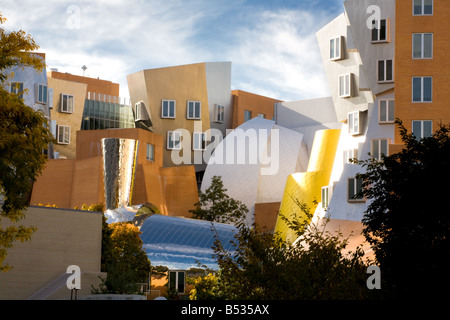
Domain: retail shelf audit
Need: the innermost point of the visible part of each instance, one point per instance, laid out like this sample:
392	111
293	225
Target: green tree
23	135
262	266
215	205
127	263
407	221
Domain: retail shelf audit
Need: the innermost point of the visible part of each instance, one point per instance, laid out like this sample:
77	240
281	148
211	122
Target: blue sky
271	43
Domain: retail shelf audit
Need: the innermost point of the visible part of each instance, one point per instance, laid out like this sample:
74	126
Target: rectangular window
345	85
41	93
422	45
350	154
336	48
150	152
247	115
422	129
199	141
354	123
138	111
386	111
380	30
422	89
17	88
173	140
379	149
385	71
326	196
354	190
168	109
193	109
63	135
422	7
177	281
219	113
66	103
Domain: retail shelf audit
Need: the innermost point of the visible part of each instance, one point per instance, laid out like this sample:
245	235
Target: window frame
422	45
194	116
385	63
168	101
71	110
249	113
176	281
170	134
388	107
352	120
422	7
326	191
38	99
199	139
332	54
422	78
219	113
17	91
64	128
350	154
150	156
387	32
348	87
379	141
422	128
355	190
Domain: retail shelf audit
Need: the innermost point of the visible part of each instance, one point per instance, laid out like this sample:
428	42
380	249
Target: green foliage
24	134
262	266
407	222
123	259
215	205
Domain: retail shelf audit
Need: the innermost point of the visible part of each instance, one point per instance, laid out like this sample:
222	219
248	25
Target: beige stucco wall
63	238
78	90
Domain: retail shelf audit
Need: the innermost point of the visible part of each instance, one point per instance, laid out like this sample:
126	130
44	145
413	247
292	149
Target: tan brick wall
63	238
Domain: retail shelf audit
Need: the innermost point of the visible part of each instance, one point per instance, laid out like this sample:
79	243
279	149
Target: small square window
193	109
336	52
350	154
174	140
63	135
422	129
354	190
66	103
168	109
199	141
386	111
219	112
380	31
422	45
422	88
422	7
150	152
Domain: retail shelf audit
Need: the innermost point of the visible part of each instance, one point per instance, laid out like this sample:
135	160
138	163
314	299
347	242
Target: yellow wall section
306	186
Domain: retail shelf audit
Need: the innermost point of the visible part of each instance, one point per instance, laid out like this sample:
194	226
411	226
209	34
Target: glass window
247	115
199	141
150	152
177	281
168	109
174	140
385	71
41	93
345	85
386	111
325	196
354	189
17	88
335	48
350	154
379	149
422	129
219	113
193	110
422	88
422	7
354	123
379	32
66	103
422	45
63	134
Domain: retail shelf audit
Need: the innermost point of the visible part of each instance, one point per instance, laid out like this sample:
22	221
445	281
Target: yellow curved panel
305	187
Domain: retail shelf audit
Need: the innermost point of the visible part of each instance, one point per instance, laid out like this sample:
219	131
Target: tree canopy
407	221
24	134
215	205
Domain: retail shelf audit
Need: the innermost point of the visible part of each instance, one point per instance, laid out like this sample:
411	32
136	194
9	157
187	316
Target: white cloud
273	53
